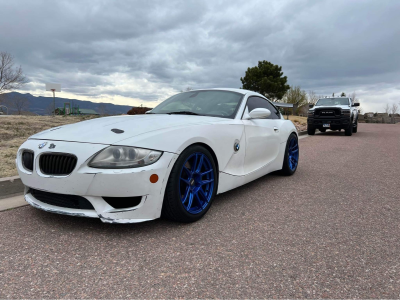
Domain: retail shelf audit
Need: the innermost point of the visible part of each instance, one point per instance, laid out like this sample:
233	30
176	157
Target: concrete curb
302	132
10	186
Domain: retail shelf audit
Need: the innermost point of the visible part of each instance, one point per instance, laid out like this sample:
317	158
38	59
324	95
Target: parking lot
332	230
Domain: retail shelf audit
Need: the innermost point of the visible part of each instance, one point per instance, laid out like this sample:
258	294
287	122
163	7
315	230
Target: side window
257	102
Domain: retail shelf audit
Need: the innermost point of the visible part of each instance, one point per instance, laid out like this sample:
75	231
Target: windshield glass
332	101
206	103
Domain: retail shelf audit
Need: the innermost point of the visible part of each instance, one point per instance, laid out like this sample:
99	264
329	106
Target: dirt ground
14	130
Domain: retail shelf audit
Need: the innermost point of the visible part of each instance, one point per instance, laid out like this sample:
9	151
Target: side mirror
356	104
259	113
310	105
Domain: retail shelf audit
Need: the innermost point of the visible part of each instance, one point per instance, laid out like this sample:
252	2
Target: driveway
332	230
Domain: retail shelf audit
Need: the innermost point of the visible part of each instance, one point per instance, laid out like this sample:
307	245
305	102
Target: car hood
98	131
330	106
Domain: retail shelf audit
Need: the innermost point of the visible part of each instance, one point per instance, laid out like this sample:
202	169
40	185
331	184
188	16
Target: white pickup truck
335	113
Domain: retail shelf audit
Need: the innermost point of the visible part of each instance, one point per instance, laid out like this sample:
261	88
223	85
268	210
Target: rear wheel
191	186
310	130
291	159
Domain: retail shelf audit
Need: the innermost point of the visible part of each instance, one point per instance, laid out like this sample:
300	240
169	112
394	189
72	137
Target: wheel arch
214	156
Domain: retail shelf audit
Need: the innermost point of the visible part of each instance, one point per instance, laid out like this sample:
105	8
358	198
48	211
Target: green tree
343	94
266	79
295	95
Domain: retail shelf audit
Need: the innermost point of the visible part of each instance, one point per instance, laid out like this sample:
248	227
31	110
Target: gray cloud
151	48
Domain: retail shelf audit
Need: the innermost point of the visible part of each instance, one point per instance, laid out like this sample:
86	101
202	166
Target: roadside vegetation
14	130
299	122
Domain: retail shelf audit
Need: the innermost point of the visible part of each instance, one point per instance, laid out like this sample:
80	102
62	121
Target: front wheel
310	130
291	159
349	130
191	186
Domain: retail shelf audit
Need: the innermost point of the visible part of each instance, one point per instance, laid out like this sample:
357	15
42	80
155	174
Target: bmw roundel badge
42	145
236	146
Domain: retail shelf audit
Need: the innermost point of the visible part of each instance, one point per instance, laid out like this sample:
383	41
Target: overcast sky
141	52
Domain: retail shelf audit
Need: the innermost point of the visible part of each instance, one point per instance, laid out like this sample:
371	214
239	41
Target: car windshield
213	103
332	101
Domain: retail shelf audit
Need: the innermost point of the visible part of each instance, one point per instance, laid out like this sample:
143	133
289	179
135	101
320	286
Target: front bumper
335	123
94	184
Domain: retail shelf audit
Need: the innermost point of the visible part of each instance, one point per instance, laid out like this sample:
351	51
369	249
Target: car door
262	136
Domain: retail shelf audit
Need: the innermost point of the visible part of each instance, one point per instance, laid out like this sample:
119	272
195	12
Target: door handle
276	129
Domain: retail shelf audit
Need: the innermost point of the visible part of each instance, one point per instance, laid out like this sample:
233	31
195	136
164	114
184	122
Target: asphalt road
332	230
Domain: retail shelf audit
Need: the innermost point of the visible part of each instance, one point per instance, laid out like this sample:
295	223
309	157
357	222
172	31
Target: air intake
27	160
62	200
58	164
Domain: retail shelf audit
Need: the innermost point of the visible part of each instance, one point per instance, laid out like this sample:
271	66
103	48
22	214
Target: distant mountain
39	105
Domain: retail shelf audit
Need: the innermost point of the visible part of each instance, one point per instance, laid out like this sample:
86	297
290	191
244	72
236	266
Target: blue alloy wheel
293	154
196	183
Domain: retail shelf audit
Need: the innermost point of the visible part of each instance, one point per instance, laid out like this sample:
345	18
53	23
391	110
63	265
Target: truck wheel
310	130
355	126
322	130
349	130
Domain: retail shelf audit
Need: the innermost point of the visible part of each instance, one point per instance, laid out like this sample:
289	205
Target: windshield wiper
184	112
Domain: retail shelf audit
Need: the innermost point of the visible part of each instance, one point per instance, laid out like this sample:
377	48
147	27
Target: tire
291	160
349	130
322	130
310	130
187	198
355	126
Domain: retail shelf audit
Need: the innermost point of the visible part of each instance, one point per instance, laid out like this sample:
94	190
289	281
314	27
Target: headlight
311	113
118	157
345	112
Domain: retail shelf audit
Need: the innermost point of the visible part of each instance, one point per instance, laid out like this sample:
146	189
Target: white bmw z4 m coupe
170	162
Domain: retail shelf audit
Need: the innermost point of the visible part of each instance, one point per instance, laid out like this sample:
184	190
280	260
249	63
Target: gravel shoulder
330	231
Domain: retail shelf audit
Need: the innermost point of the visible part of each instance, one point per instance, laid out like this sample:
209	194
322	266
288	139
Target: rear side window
258	102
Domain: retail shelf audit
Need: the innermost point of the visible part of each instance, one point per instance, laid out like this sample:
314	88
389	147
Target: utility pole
54	87
54	102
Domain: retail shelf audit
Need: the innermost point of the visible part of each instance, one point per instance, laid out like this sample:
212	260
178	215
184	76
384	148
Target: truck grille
59	164
328	112
62	200
27	160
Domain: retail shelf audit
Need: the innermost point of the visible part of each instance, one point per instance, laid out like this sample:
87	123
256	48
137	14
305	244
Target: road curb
302	132
10	186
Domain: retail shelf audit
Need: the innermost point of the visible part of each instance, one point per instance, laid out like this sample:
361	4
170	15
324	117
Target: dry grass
14	130
299	122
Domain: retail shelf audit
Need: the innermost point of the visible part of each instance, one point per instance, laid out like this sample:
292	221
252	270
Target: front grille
328	112
27	160
62	200
59	164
